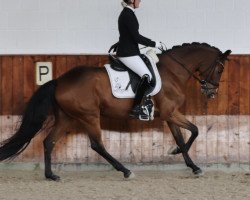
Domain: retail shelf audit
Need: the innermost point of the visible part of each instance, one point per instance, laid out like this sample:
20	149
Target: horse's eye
220	71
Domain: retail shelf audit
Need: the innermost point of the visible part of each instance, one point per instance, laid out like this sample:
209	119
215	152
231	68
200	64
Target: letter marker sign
43	72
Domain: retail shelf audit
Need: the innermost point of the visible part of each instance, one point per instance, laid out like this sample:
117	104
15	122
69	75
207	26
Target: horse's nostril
211	96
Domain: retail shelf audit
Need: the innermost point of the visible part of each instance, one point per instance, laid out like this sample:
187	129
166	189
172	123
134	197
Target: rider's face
136	3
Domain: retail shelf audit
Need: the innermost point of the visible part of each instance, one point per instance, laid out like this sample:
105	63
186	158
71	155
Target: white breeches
136	64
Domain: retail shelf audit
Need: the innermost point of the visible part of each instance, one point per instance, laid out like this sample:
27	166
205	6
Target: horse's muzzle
209	90
211	96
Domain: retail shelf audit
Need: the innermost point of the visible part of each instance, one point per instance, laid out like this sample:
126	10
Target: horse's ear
225	55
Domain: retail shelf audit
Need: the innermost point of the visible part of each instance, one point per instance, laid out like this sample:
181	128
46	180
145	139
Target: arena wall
75	32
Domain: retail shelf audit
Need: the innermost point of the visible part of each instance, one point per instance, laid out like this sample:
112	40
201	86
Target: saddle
117	65
124	81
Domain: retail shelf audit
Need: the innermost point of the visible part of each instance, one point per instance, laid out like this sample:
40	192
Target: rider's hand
160	46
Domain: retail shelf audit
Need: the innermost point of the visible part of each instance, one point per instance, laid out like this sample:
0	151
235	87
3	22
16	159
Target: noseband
209	70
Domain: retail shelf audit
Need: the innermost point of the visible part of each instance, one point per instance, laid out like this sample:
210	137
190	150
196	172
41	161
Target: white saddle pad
120	80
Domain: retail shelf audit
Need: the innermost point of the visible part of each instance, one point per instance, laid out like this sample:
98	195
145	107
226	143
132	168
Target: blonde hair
124	4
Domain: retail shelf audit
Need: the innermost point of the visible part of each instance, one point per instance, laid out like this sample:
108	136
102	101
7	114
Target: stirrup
148	107
145	112
139	113
145	116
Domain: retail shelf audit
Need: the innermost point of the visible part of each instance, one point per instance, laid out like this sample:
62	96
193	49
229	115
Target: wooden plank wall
224	122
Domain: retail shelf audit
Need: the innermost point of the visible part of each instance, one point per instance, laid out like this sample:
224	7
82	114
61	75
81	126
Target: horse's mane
193	44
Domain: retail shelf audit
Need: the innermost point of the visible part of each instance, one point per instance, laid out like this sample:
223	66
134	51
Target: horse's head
194	57
210	74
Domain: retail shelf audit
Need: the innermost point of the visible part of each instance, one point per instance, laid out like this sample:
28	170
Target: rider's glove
160	46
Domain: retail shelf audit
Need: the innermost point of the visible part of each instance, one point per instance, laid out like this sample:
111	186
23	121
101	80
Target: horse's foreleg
92	126
182	122
99	148
183	148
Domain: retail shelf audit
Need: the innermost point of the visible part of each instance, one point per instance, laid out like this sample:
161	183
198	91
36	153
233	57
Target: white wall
90	26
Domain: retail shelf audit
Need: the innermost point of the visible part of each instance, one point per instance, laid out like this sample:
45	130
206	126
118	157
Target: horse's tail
34	116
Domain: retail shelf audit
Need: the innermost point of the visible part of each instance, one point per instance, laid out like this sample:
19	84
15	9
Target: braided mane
193	44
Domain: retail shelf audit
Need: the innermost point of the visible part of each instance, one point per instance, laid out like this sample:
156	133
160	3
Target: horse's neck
181	68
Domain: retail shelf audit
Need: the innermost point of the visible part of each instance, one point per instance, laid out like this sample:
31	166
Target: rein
189	71
205	81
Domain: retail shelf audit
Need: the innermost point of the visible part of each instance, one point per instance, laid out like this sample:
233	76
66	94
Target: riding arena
66	128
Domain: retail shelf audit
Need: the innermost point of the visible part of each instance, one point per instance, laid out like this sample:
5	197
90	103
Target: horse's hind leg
93	129
57	131
49	144
181	143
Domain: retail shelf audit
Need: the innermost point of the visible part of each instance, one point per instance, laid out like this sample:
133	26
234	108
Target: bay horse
78	99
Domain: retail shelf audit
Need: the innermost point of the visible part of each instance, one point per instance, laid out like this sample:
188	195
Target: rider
128	51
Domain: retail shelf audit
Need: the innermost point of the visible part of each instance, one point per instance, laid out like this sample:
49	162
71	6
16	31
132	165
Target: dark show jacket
129	35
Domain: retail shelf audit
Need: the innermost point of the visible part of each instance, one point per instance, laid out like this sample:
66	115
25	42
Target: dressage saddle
117	65
147	105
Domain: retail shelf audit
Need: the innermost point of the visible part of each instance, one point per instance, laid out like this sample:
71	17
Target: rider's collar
130	8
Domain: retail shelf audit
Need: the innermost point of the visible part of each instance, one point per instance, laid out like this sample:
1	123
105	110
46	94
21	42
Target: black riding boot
142	88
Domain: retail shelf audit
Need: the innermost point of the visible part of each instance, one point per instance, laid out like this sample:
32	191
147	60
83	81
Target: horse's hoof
53	177
198	172
174	150
129	176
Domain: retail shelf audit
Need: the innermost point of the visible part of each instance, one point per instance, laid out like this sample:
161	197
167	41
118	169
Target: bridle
206	80
210	71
